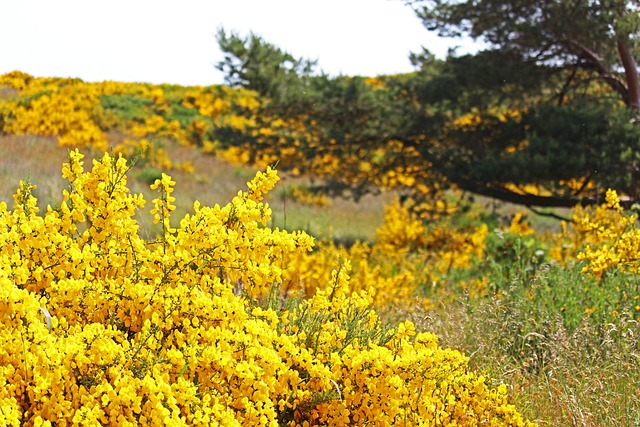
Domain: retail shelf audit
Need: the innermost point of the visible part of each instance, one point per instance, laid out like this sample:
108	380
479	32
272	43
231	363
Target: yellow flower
190	329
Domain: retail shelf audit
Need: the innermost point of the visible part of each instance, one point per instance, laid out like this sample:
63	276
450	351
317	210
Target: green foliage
128	107
601	135
541	123
355	320
183	115
538	29
24	101
477	81
255	64
149	175
589	143
513	257
598	37
518	269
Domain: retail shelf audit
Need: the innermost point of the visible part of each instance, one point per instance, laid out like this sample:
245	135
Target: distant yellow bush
82	114
608	237
406	259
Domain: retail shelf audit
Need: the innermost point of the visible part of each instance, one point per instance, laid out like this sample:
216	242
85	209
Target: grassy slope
40	160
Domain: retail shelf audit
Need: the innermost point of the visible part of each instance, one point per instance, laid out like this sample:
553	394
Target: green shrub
149	175
128	107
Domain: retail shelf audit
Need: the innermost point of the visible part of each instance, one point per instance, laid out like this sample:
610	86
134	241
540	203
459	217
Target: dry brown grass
34	158
585	377
8	92
39	159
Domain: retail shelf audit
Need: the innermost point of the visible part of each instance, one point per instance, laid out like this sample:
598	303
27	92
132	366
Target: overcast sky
159	41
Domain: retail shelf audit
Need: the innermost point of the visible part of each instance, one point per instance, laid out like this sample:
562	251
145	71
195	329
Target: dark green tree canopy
255	64
601	36
550	105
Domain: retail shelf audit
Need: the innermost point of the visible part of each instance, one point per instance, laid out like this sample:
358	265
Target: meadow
224	313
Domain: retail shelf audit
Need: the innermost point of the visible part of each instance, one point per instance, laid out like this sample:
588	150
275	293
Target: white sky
174	41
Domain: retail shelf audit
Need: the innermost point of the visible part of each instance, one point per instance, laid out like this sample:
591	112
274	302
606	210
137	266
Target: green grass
558	376
344	220
567	345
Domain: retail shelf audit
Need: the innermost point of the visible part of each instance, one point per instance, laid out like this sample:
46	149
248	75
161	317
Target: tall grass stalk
560	375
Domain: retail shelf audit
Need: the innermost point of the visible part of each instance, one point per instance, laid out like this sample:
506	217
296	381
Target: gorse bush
409	263
88	115
100	327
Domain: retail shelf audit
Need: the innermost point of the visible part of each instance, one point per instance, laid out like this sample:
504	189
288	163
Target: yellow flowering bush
126	117
304	196
401	230
100	327
387	377
607	237
63	112
408	263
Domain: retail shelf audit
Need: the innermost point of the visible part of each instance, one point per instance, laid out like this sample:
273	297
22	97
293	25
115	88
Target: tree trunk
528	200
631	74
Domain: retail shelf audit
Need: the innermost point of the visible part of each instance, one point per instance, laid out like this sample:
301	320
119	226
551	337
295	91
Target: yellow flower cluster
83	115
475	118
60	109
304	196
607	237
100	327
401	229
406	261
520	226
467	121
